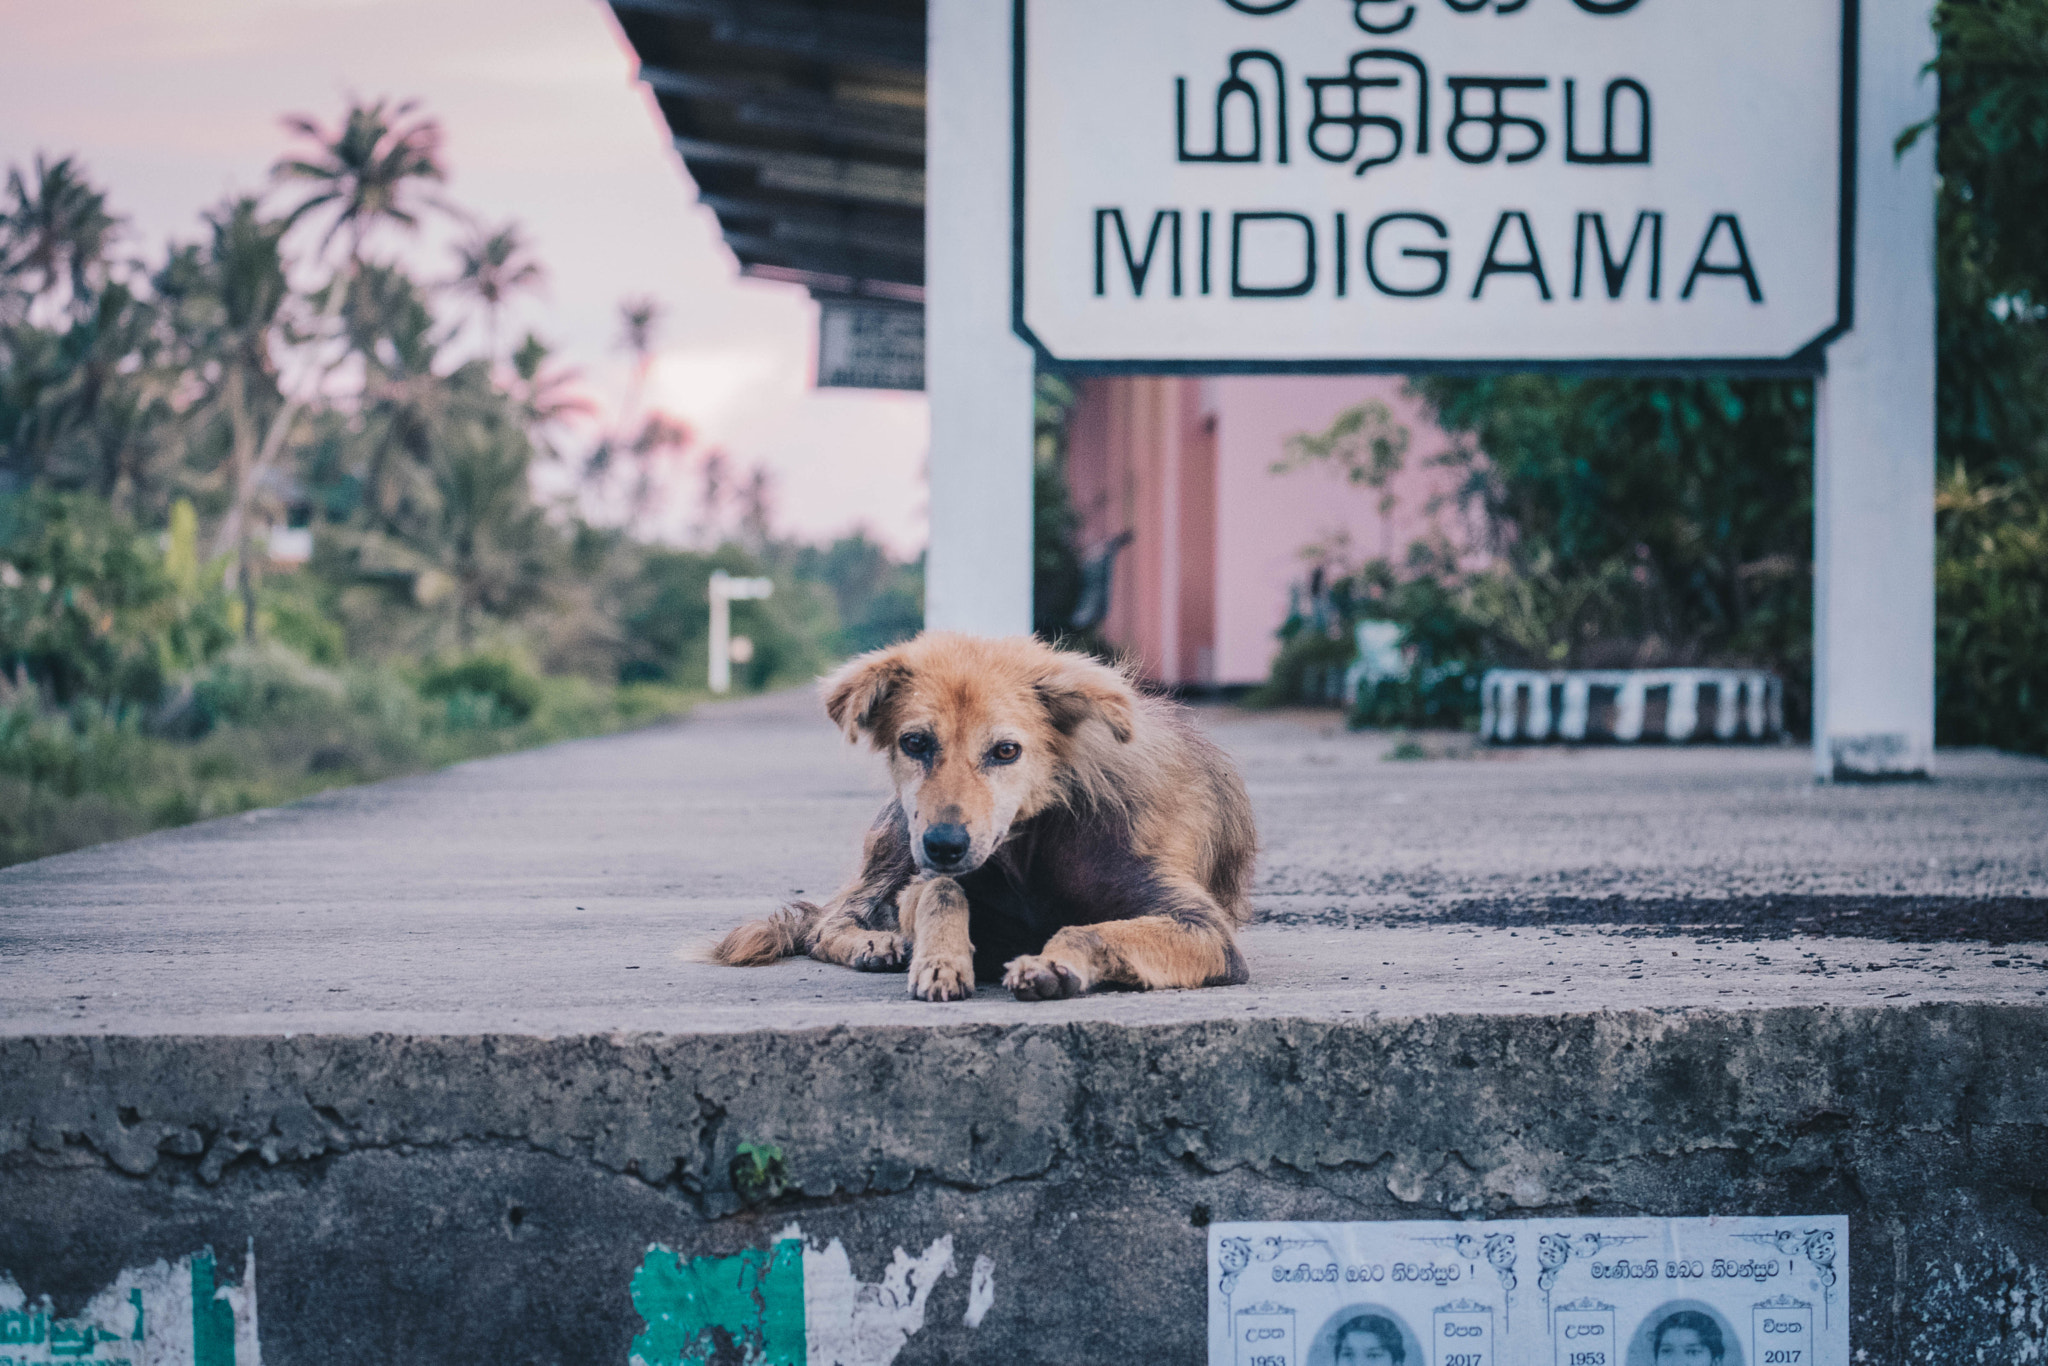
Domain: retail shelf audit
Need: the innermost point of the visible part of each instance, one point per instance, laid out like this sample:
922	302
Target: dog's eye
916	744
1006	752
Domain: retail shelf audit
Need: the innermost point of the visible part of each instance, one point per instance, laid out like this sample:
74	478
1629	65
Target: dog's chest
1057	872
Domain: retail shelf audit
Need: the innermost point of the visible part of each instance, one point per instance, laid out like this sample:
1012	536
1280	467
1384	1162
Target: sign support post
979	374
1873	487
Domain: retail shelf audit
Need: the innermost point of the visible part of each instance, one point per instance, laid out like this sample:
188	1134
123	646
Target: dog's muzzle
945	847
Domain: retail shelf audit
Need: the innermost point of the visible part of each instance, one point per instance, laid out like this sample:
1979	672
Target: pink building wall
1195	457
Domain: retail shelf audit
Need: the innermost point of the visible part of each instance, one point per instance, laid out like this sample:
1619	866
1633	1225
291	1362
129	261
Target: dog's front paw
1035	977
942	979
879	951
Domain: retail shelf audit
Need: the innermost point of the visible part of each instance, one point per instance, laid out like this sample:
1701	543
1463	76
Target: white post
1578	699
721	634
977	372
1628	714
725	589
1873	629
1682	714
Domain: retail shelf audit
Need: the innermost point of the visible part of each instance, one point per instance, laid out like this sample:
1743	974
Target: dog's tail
787	933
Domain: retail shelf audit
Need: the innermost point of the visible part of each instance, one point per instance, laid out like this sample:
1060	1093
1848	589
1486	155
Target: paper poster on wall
1536	1292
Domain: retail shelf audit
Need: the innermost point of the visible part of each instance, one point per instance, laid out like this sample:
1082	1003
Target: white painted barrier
1630	705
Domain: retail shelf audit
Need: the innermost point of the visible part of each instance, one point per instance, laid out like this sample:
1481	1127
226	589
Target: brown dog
1050	827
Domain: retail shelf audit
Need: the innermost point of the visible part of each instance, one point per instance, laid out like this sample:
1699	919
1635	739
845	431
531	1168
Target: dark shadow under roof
803	125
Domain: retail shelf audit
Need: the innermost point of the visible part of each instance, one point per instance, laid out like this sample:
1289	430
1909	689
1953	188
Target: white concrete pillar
1873	655
1759	717
1540	719
1628	710
1725	719
1683	713
1578	699
977	373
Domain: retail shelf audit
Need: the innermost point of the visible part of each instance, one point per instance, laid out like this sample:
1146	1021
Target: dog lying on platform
1051	827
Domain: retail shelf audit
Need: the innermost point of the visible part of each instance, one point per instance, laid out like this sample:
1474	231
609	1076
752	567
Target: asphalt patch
1901	919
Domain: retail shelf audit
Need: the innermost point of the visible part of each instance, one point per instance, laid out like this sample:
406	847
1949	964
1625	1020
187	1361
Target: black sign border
1808	360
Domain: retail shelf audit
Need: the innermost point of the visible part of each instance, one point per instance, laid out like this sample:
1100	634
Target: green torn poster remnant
213	1319
166	1314
721	1311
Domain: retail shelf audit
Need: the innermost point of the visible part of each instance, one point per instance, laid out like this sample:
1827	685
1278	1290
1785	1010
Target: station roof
802	122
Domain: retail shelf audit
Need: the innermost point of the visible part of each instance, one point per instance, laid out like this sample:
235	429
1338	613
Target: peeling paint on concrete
981	1291
163	1314
850	1322
721	1309
794	1304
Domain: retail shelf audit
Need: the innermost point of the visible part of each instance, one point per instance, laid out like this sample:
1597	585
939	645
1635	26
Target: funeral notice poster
1531	1292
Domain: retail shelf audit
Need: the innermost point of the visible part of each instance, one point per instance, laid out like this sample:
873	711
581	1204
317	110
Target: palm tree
369	172
638	443
493	266
639	319
57	229
546	394
224	304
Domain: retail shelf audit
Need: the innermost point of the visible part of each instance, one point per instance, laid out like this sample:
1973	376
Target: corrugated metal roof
803	125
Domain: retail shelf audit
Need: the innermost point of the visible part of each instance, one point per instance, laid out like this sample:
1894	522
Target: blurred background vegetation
1668	521
268	519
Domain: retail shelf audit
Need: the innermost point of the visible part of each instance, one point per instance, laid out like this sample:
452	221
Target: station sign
1355	185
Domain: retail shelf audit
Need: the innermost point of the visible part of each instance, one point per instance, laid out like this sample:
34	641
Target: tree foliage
1641	521
173	434
1991	581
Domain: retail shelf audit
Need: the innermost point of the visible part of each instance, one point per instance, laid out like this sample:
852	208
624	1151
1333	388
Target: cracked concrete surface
436	1045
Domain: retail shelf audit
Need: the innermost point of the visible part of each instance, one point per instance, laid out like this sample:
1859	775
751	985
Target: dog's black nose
945	845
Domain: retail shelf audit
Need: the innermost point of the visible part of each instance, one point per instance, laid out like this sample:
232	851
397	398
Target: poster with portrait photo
1366	1335
1741	1290
1685	1333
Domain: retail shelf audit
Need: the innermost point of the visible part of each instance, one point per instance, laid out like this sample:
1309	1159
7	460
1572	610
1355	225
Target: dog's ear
1079	689
857	696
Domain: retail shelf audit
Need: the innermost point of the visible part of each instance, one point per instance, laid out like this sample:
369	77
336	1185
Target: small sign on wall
1535	1292
1290	185
863	344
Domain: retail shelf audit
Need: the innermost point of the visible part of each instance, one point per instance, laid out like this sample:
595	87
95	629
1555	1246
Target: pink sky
172	106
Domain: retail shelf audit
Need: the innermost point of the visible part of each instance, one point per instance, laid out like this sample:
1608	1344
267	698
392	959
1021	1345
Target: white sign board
1532	1292
1299	185
864	345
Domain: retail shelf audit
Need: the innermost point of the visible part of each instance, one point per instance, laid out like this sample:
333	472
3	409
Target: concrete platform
437	1048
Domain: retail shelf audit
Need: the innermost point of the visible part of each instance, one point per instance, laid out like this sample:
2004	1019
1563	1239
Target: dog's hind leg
934	916
857	927
1187	946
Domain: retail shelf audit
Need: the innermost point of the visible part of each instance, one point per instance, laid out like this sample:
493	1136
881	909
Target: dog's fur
1109	843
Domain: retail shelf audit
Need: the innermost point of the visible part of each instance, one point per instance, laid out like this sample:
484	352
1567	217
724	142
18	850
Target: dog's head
980	733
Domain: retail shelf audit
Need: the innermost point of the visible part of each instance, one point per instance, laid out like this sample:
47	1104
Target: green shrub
92	609
482	689
1991	613
254	684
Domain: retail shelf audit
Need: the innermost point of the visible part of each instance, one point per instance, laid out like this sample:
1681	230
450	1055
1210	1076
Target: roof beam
897	225
754	249
827	286
826	35
794	235
885	128
826	177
